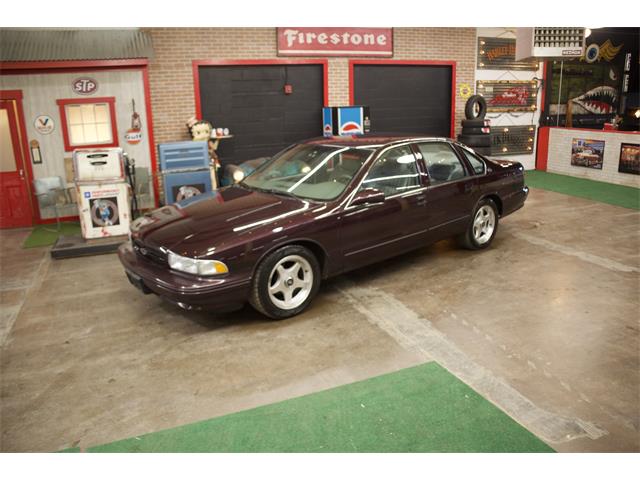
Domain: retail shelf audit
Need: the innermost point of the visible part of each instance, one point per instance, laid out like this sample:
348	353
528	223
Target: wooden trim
13	68
152	145
111	101
542	149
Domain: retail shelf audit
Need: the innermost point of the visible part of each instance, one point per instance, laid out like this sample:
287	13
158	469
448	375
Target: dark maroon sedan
318	209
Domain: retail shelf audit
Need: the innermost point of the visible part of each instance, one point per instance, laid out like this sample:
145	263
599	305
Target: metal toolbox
98	165
183	155
104	209
182	185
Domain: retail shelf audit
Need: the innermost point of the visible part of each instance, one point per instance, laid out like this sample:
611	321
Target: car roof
372	140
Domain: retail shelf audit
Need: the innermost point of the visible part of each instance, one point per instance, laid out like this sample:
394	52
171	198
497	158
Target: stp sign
85	86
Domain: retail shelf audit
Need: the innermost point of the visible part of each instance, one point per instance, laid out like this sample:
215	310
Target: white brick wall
559	159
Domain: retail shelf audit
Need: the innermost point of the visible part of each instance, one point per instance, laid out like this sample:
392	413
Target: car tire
476	130
482	227
474	123
475	140
285	282
475	102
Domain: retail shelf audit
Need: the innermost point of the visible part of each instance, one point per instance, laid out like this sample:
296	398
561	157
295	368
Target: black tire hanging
475	140
476	130
475	123
486	151
475	102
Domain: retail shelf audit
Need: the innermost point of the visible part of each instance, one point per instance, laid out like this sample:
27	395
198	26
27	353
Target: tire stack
476	130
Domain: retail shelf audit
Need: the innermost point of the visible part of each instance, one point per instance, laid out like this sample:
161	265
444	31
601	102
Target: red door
15	210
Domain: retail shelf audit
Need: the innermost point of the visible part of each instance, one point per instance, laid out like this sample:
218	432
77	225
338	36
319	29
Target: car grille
150	253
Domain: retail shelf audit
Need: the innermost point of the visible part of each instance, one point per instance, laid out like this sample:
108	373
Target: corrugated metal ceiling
22	45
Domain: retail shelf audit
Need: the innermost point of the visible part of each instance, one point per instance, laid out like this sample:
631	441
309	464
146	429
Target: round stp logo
85	86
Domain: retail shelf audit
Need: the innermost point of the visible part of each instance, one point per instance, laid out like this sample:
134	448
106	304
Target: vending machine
102	192
185	169
350	120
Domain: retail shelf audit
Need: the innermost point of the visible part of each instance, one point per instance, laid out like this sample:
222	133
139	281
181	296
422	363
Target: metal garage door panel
250	101
406	98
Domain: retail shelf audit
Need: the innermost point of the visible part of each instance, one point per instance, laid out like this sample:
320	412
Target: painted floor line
587	257
420	336
38	278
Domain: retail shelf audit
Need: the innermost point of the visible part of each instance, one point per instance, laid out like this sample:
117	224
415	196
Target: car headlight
238	175
196	266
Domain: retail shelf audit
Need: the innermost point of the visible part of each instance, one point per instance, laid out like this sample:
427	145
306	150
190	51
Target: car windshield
316	172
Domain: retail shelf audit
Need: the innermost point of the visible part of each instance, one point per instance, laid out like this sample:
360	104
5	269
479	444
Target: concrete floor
545	324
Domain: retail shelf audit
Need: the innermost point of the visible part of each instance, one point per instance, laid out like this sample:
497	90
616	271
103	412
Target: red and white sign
133	136
335	41
84	86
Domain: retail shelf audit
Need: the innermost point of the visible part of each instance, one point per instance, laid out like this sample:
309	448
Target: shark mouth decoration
599	100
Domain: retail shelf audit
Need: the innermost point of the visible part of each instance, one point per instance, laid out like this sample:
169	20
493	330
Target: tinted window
318	172
442	163
394	172
476	163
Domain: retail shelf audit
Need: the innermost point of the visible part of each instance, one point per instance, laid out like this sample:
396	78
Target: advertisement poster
587	153
104	212
629	158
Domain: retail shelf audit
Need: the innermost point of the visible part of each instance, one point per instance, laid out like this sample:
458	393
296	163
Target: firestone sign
335	41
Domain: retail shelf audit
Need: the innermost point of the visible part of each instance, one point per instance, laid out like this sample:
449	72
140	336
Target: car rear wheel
483	226
285	282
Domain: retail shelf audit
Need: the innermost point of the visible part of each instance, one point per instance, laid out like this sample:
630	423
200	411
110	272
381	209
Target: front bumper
190	292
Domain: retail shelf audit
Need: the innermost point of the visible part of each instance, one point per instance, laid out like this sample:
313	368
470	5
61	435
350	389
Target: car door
451	191
373	232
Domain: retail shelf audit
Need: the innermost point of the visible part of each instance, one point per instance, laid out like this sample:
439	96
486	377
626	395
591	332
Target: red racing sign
335	41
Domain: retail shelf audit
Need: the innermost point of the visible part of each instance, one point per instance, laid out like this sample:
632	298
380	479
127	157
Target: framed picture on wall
587	153
629	158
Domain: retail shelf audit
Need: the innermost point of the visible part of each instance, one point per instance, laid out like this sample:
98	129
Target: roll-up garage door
250	100
405	98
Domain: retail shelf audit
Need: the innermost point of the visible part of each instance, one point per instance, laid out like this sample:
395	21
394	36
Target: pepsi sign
349	120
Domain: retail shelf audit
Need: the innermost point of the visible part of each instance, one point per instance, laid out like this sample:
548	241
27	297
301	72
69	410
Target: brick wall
171	72
559	159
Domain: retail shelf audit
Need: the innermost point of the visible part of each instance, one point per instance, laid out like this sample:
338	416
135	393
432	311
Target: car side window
476	163
395	172
443	165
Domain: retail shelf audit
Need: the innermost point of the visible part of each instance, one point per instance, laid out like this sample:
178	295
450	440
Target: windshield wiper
272	191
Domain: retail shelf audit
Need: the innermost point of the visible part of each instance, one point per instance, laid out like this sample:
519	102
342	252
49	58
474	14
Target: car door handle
468	187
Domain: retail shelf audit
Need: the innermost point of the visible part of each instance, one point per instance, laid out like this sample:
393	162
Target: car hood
194	226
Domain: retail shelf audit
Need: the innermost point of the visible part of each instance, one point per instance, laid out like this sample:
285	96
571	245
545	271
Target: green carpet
44	235
620	195
419	409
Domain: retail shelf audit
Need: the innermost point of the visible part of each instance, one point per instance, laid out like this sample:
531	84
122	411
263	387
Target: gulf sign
335	41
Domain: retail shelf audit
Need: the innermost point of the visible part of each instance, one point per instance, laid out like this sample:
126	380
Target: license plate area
137	282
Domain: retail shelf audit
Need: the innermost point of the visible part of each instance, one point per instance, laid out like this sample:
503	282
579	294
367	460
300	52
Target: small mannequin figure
201	130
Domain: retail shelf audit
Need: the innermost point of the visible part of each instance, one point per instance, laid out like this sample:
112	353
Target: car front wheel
483	226
285	282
